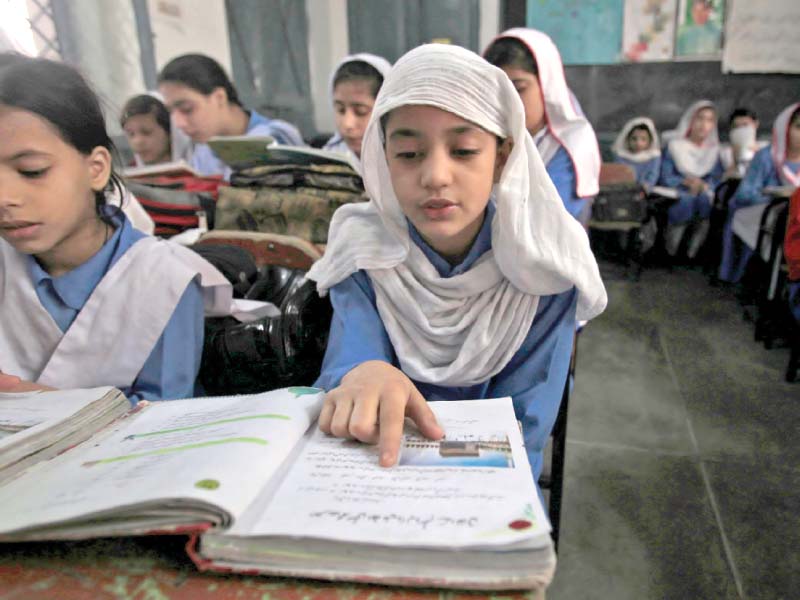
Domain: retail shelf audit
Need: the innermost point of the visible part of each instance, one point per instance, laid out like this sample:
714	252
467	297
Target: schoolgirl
468	272
690	164
354	86
85	299
637	146
148	127
775	165
564	137
204	104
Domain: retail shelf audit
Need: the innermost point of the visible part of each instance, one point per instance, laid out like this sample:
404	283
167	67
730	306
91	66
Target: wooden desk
157	568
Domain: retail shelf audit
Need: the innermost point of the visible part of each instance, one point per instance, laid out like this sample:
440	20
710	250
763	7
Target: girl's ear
503	151
219	97
99	163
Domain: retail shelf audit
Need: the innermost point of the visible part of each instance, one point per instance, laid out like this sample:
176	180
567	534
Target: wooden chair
268	248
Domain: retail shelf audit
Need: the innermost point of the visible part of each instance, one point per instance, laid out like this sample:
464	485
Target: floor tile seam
628	448
726	546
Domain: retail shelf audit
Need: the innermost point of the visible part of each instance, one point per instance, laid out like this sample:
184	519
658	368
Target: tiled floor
683	456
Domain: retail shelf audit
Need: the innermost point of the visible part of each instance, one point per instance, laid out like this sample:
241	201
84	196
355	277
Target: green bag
296	200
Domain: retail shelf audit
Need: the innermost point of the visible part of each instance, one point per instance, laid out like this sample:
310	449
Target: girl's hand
371	405
695	185
12	383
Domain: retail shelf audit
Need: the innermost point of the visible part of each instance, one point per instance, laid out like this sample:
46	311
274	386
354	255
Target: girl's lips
437	210
19	230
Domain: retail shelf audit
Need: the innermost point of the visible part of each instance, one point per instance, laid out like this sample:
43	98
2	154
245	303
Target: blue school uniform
760	174
562	172
169	371
206	162
534	378
647	171
688	207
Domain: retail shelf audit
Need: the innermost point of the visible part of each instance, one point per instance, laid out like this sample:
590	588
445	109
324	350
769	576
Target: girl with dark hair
204	104
354	86
146	124
563	135
775	165
85	299
637	146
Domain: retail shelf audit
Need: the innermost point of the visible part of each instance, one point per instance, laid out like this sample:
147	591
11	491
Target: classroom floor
683	461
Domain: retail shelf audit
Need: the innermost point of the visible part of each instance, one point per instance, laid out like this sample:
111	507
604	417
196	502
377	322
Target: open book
36	426
241	152
177	168
274	495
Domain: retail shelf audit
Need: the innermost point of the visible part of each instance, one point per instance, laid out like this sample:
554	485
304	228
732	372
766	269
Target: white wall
327	45
186	26
489	22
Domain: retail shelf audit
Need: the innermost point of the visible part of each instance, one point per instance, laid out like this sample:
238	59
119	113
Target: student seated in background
354	86
775	165
690	163
742	145
146	123
637	146
468	271
85	299
204	104
564	137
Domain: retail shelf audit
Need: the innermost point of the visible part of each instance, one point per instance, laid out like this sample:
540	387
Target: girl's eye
33	173
408	155
362	111
464	152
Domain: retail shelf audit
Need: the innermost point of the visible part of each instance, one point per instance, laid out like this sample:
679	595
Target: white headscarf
780	142
382	66
620	146
566	124
691	159
464	329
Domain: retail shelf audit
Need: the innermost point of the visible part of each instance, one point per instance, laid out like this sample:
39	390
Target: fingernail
386	459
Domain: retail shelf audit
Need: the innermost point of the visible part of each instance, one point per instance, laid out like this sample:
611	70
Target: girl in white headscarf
690	164
354	86
775	165
463	276
563	135
637	146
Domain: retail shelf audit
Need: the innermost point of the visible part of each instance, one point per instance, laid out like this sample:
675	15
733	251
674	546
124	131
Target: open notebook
262	490
241	152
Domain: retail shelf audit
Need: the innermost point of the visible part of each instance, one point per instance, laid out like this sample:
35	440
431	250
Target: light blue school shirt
761	173
171	369
206	162
688	207
562	173
534	377
647	171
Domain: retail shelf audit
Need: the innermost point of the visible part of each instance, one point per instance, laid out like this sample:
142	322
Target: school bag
291	199
620	202
234	262
271	352
177	203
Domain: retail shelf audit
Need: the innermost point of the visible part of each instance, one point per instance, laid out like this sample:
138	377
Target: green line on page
209	424
233	440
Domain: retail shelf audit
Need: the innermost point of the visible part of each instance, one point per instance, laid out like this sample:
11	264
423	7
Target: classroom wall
184	26
611	94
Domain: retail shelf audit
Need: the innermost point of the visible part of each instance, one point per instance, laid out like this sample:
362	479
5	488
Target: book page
473	489
218	451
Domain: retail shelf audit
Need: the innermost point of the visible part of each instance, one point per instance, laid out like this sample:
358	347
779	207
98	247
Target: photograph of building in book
491	451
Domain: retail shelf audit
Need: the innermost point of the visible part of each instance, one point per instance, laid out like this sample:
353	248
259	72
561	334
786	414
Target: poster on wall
762	41
699	34
648	32
587	32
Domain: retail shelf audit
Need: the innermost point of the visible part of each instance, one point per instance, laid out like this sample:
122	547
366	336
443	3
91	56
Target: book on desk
260	489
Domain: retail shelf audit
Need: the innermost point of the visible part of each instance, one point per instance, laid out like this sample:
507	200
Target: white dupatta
690	159
780	142
566	124
620	146
464	329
